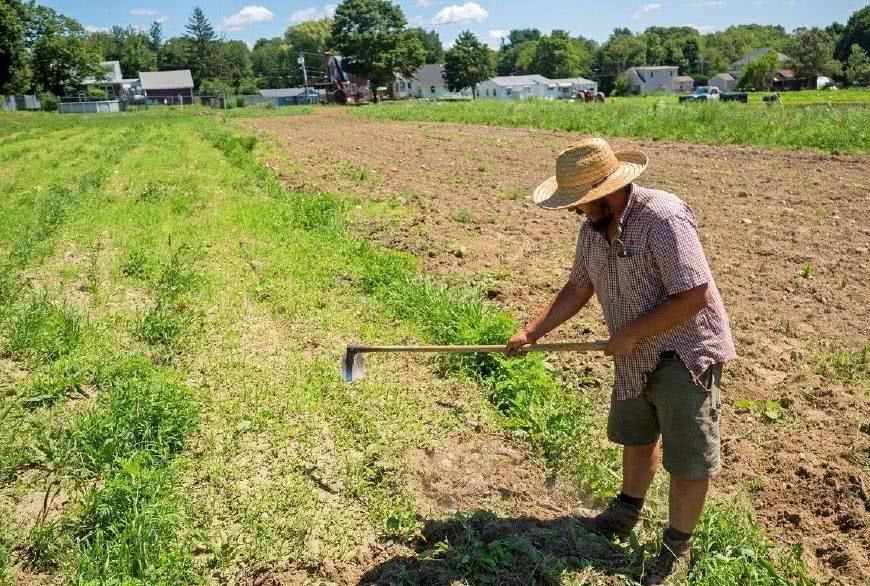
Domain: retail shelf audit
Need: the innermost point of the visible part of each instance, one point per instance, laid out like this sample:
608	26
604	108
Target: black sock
677	535
633	502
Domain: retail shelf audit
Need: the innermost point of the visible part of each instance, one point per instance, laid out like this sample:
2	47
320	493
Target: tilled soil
785	232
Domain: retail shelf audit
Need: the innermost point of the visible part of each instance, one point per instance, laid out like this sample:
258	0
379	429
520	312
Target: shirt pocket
632	277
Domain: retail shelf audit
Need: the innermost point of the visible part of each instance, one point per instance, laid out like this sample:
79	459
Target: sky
248	20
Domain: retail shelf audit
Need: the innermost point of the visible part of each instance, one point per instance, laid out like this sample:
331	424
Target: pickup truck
706	93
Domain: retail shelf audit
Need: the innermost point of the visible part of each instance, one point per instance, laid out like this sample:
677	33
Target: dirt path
458	199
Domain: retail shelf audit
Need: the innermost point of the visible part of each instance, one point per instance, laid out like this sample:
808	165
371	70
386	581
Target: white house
112	81
724	81
683	84
647	79
519	87
738	66
428	82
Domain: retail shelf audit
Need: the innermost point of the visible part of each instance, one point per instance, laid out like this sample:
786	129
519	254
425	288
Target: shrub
43	331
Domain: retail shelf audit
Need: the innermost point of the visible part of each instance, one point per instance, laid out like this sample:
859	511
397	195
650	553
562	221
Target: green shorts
685	414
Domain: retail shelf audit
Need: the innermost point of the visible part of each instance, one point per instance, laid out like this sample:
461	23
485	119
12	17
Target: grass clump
148	416
730	550
128	530
137	265
42	331
846	366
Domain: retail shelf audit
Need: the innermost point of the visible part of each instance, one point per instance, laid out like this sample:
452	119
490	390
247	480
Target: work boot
617	520
673	561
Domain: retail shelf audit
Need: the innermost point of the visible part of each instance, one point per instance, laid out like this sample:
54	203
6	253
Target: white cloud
704	29
424	3
646	9
495	38
708	4
465	14
144	12
313	13
97	29
247	16
418	21
161	19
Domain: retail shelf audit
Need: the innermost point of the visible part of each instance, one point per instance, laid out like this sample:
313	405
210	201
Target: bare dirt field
786	233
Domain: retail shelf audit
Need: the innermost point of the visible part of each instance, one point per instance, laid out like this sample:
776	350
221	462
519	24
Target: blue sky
249	20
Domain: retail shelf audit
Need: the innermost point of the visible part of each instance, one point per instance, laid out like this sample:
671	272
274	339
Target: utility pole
301	62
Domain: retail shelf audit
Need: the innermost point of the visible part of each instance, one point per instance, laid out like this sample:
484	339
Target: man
638	251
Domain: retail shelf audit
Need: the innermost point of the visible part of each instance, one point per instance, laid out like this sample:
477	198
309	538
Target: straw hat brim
550	196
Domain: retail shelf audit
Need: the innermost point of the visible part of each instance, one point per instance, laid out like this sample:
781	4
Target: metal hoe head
352	366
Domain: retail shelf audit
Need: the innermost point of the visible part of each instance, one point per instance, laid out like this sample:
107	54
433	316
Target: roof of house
684	78
286	92
113	74
430	74
655	67
166	80
573	81
725	76
517	80
785	74
758	53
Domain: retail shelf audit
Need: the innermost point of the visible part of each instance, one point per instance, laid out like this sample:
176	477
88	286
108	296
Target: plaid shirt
656	253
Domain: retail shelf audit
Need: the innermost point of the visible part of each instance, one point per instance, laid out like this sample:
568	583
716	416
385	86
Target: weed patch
846	366
42	331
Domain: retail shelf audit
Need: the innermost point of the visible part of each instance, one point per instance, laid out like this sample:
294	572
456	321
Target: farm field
833	129
177	290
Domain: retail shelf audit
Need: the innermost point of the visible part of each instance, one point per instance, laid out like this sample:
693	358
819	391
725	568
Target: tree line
42	50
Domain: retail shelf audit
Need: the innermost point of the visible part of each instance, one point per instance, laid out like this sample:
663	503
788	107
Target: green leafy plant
463	216
807	271
848	366
42	331
770	411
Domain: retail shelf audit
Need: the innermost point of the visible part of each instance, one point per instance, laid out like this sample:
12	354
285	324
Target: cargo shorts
684	413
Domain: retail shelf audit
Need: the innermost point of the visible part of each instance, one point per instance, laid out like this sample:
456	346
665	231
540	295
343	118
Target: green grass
251	446
843	365
842	129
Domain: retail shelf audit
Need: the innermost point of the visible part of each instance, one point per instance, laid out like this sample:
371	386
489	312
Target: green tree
132	48
858	66
523	35
202	36
812	53
759	73
856	32
559	56
431	43
371	36
468	63
13	57
273	63
176	53
155	35
517	54
61	54
313	36
234	63
621	51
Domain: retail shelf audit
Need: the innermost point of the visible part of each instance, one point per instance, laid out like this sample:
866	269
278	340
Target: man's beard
600	225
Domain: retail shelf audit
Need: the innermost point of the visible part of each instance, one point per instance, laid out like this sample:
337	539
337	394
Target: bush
48	103
42	332
240	101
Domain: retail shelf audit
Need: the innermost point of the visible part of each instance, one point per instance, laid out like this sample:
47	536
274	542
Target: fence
14	103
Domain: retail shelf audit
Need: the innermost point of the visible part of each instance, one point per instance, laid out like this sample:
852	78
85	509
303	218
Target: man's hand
518	341
622	343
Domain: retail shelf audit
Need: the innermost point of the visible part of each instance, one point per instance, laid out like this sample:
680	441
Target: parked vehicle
707	93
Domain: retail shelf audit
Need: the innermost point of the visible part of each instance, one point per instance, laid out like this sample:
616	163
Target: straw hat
587	171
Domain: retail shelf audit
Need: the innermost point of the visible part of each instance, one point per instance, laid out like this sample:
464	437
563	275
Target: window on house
508	92
652	74
432	89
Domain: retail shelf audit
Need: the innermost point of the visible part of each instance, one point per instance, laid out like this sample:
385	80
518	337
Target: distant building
519	87
724	81
167	86
683	84
111	81
738	66
430	81
290	96
648	79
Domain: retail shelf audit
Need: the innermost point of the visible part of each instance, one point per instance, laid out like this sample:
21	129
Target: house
430	81
290	96
570	87
738	66
683	84
648	79
785	80
724	81
401	87
172	87
518	87
111	81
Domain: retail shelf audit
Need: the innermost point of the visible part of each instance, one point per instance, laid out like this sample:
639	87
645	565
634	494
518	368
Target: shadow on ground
481	548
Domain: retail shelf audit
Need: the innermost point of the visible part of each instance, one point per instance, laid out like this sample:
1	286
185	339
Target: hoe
353	367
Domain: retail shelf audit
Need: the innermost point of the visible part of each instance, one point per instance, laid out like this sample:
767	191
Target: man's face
598	212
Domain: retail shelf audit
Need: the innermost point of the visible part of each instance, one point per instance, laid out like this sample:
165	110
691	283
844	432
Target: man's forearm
567	303
676	310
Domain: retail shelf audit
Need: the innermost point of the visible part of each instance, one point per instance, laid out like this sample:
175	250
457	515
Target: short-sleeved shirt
655	254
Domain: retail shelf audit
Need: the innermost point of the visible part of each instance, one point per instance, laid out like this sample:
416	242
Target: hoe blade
352	366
